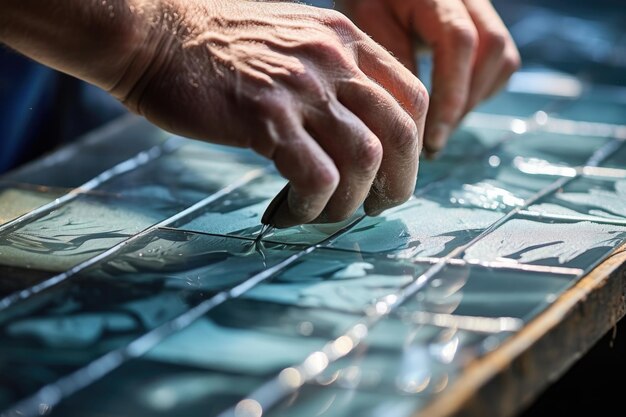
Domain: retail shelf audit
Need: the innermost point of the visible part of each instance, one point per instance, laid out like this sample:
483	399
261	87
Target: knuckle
404	137
339	22
271	103
420	99
494	41
464	36
322	179
369	155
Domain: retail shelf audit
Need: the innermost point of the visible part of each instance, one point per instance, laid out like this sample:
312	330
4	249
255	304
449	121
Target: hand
340	117
474	54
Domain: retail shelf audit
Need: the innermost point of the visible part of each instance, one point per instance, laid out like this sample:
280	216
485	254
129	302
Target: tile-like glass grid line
276	389
184	320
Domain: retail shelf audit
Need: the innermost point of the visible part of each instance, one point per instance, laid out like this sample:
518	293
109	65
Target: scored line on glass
11	299
52	394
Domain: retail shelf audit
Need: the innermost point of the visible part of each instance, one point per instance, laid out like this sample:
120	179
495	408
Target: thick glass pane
577	244
420	227
19	199
98	151
154	280
78	231
150	388
337	280
589	197
470	290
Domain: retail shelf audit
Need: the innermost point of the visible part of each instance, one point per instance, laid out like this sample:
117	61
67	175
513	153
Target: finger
355	150
377	20
448	29
377	64
496	50
312	174
511	63
398	133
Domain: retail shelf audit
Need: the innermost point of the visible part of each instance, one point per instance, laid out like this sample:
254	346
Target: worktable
130	282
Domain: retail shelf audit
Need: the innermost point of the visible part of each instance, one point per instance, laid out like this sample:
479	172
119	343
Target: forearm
95	40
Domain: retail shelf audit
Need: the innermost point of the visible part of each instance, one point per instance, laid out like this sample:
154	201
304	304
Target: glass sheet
337	280
77	231
480	291
605	198
574	244
421	227
597	108
178	179
537	149
150	388
19	199
98	151
152	281
121	300
617	159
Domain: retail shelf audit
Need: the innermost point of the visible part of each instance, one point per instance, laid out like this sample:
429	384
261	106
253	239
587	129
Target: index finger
449	30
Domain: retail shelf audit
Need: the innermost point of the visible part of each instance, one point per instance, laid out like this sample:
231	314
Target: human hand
340	117
474	54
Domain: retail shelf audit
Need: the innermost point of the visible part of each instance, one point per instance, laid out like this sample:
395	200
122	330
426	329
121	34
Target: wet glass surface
155	279
19	199
574	244
119	299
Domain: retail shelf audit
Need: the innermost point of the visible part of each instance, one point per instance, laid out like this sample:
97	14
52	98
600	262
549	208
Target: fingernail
438	135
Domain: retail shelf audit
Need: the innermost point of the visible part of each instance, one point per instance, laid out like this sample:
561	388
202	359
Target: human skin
458	32
342	119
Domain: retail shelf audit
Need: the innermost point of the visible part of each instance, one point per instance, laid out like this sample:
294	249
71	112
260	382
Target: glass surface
575	244
337	280
478	291
516	104
420	227
150	388
178	179
77	231
19	199
617	160
563	150
152	281
588	197
192	317
97	152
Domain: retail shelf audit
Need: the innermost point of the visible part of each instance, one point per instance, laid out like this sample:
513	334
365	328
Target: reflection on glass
17	200
420	227
77	231
335	402
469	290
571	244
180	180
402	358
516	104
151	282
150	388
337	280
557	149
230	347
585	196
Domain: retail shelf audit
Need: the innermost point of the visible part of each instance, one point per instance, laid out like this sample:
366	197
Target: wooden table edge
505	381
